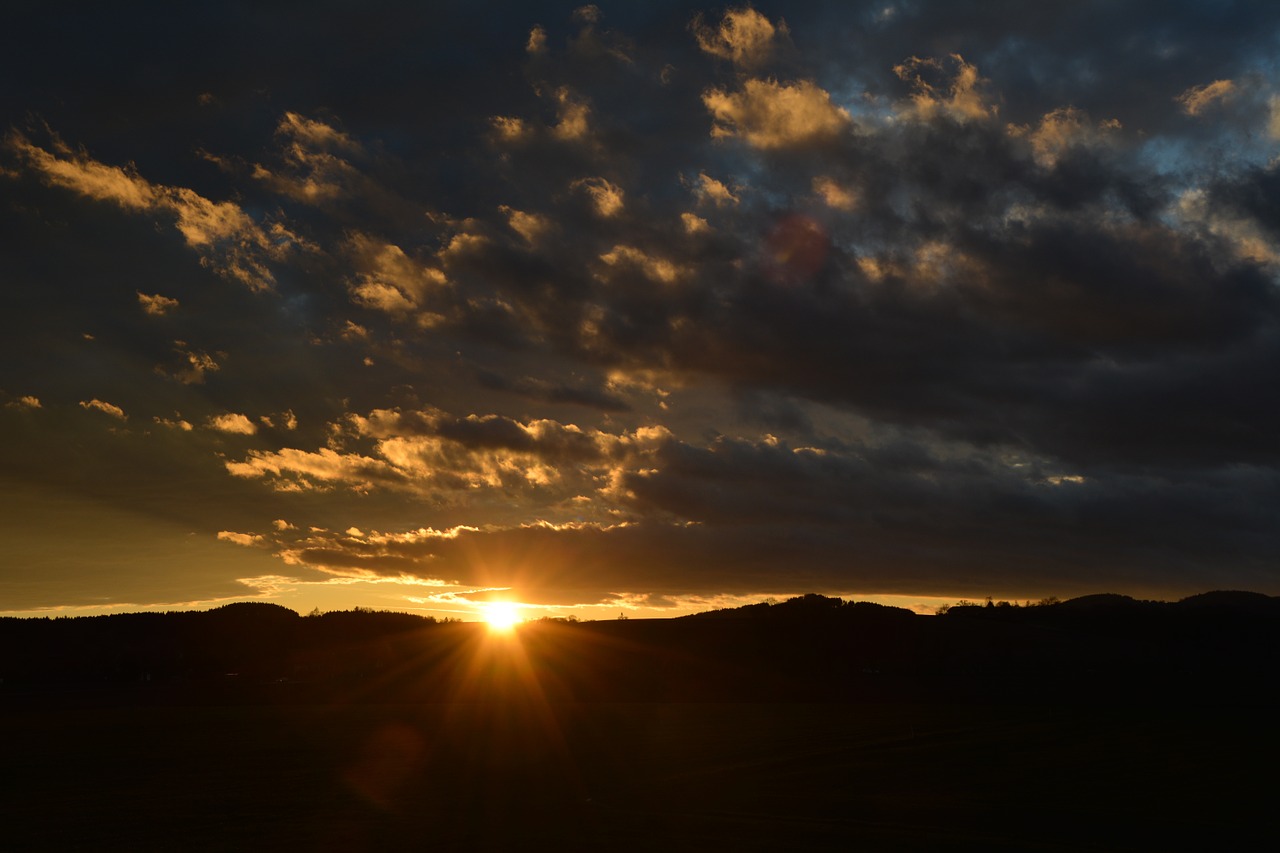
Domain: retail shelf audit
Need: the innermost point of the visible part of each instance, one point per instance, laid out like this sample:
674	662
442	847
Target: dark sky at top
639	305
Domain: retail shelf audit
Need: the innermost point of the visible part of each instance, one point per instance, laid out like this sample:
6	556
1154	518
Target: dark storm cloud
905	296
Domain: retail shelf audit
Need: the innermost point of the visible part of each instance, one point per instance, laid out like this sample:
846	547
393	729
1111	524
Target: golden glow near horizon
501	616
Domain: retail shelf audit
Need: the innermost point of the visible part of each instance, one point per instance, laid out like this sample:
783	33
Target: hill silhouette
815	723
812	646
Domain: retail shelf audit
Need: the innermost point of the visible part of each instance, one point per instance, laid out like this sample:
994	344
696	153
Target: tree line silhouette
810	647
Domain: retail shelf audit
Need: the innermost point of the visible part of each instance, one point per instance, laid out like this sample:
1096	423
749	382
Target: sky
637	308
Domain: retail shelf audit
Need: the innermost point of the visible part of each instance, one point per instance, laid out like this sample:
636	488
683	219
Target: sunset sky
642	308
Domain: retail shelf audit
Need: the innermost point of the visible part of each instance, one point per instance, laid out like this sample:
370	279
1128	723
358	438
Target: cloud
537	43
229	240
948	86
25	402
106	408
193	365
767	114
653	267
247	540
176	422
388	280
694	224
443	457
1244	236
509	128
531	226
232	422
77	171
834	195
574	115
744	37
715	192
292	470
1198	99
606	197
588	14
1062	130
315	165
155	304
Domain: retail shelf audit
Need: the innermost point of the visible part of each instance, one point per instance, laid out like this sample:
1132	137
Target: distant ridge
811	605
816	606
1213	647
1102	600
1232	599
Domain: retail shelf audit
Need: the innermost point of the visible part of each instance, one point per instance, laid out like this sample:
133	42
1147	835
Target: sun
501	615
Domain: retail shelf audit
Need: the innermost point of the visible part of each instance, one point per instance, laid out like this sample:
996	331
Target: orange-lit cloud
228	239
316	168
509	128
744	36
947	86
388	280
835	195
574	116
155	304
652	266
693	223
248	540
104	407
233	422
1198	99
530	226
767	114
176	422
709	190
537	42
606	197
1061	130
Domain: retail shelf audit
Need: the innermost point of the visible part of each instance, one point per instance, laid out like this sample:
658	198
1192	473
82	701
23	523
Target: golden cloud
607	198
654	267
248	540
530	226
104	407
768	114
947	86
229	241
537	42
710	190
694	224
155	304
745	37
388	280
233	423
1061	130
1197	99
834	195
573	116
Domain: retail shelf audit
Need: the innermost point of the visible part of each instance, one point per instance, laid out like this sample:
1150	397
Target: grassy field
644	776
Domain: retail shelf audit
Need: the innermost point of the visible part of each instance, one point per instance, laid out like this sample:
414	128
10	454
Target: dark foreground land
1105	727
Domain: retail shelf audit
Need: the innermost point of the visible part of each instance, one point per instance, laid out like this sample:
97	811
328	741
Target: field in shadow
699	735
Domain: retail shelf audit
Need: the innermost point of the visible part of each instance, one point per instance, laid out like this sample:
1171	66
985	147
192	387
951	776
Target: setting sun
501	615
